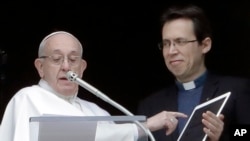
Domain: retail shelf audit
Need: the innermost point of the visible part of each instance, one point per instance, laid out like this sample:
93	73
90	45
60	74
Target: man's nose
65	64
172	48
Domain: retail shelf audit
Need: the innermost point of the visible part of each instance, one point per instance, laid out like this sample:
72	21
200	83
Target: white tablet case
214	105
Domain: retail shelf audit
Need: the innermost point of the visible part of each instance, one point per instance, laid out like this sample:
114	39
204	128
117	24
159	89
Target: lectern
87	128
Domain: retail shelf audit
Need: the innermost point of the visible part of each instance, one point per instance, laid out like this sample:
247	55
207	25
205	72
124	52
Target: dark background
120	44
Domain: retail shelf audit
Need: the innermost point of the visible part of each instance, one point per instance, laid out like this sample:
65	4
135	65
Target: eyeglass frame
62	59
175	42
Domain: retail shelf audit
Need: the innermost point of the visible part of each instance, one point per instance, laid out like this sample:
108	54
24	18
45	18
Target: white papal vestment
38	100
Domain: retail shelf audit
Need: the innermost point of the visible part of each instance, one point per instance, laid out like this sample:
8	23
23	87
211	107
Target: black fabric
235	110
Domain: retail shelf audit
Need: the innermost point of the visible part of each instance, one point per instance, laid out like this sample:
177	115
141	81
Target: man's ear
39	67
206	45
83	66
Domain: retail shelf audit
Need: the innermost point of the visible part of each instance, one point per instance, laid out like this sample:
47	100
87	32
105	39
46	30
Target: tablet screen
194	123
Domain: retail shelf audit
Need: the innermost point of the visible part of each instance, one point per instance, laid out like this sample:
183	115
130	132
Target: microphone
71	76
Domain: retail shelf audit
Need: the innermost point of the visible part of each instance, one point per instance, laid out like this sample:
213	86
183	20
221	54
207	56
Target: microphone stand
71	76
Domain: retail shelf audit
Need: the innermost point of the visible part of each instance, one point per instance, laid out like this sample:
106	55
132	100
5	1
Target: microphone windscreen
71	76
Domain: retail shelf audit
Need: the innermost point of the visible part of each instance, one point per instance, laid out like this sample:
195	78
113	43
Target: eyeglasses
176	43
59	59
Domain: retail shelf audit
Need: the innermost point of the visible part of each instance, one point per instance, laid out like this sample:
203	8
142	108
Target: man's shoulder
232	79
30	92
228	82
26	90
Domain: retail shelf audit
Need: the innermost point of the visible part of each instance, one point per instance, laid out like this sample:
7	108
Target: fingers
159	121
221	117
178	114
164	119
172	121
213	125
171	125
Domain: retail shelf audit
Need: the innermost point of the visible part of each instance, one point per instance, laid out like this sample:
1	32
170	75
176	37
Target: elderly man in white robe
60	52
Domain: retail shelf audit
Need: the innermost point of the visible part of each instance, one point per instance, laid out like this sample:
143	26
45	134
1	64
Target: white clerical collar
42	83
192	84
189	85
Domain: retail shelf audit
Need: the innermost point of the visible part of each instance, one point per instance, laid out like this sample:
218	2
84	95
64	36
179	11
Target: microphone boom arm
74	78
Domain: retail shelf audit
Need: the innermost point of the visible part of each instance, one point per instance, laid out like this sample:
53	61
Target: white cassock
38	100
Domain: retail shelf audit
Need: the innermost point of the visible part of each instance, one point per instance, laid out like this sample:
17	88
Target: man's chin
68	90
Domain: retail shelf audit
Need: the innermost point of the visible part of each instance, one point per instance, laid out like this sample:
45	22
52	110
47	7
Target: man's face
184	57
52	70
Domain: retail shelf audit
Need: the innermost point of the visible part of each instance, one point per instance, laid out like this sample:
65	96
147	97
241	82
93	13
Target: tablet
194	123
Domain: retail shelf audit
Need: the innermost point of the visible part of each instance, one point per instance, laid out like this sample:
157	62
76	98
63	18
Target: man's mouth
63	78
175	62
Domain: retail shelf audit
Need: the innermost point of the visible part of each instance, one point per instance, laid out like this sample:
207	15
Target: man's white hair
43	42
